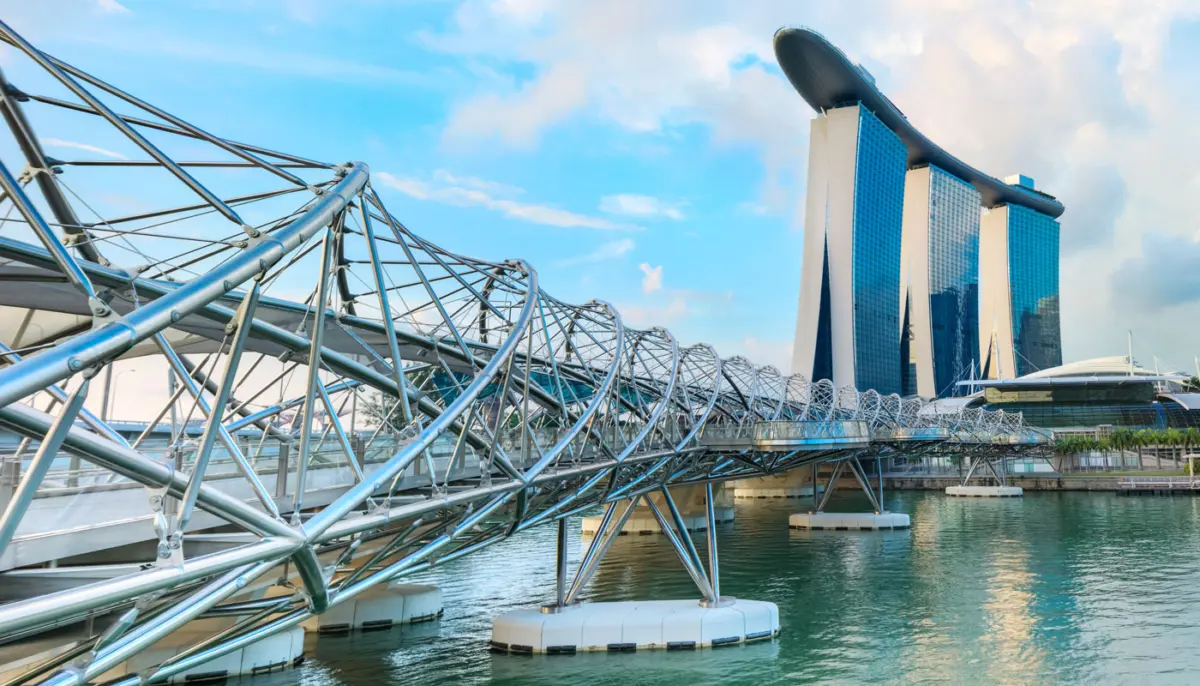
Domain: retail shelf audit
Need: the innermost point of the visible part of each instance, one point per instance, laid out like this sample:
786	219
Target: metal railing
835	430
1159	483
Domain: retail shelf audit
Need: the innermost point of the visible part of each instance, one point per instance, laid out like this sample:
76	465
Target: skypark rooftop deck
827	79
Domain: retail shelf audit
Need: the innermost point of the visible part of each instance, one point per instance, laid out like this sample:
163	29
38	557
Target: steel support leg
837	472
814	485
600	545
860	476
973	465
697	573
879	475
560	597
682	527
714	571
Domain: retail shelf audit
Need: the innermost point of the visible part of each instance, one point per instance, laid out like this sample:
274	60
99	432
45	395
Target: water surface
1055	587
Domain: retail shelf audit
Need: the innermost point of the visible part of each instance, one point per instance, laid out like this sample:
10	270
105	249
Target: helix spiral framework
280	291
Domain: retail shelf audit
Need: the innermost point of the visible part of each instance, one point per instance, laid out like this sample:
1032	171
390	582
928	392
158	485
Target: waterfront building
1019	310
848	327
1086	395
923	331
939	277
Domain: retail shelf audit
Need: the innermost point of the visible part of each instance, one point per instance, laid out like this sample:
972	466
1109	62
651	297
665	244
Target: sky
651	154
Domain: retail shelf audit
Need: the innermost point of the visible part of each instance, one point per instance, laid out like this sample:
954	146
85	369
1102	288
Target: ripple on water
1054	587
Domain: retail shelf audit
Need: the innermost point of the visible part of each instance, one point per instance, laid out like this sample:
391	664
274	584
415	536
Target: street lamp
107	397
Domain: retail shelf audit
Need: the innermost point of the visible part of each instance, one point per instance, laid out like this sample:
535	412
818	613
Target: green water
1052	588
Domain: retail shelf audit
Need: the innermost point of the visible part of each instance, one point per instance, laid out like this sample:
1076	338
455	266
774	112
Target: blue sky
651	154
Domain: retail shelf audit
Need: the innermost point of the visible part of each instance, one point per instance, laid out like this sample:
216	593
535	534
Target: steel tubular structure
353	401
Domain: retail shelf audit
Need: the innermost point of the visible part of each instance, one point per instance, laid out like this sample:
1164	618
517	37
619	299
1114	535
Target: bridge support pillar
692	504
567	627
795	483
819	520
1000	489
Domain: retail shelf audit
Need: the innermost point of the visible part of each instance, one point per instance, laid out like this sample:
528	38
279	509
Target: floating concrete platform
985	491
273	653
849	521
635	625
642	521
782	492
380	608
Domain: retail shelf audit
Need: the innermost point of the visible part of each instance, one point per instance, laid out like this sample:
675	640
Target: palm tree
1143	439
1119	440
1191	438
1174	439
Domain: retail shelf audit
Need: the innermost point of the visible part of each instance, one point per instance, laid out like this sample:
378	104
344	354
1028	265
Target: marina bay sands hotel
919	270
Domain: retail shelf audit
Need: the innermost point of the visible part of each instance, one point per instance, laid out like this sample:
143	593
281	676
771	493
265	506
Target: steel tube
714	569
54	607
66	264
585	573
698	576
103	343
119	123
363	490
385	306
127	462
158	628
204	450
833	478
188	383
40	466
682	527
314	367
560	598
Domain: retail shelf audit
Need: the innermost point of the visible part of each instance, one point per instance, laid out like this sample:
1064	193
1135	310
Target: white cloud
631	205
112	7
777	354
519	118
672	311
472	196
608	251
645	67
492	187
651	279
60	143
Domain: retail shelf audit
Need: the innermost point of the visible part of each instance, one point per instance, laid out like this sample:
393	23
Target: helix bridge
277	292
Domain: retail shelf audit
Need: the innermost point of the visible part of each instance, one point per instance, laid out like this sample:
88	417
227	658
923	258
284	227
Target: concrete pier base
783	492
635	625
849	521
797	483
380	608
642	521
985	491
273	653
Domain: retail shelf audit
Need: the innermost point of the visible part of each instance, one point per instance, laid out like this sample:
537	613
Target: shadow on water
1055	587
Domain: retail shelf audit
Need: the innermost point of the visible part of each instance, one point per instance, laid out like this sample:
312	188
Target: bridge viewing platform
257	502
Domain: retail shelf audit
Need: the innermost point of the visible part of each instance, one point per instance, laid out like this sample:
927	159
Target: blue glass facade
878	218
1033	280
823	360
953	279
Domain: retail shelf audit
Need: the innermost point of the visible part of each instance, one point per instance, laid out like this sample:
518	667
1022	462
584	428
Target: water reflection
1064	588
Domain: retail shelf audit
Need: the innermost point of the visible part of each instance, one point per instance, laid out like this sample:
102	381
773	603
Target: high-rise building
939	282
848	327
860	320
1018	276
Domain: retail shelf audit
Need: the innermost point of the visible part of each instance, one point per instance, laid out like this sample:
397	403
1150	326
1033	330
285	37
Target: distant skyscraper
939	280
1018	277
848	328
966	288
